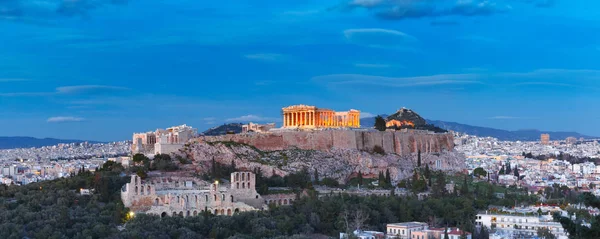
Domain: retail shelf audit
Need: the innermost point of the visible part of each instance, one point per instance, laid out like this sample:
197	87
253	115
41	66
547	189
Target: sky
103	69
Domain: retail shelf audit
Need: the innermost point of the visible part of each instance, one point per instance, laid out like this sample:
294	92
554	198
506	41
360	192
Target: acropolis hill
328	141
393	142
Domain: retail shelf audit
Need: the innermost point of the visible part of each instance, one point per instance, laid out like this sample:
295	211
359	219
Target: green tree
380	123
360	178
138	158
479	172
446	233
508	168
316	176
501	171
516	173
544	233
464	189
388	177
381	179
419	158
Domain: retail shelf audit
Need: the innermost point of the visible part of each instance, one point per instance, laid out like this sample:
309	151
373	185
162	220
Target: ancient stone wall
397	142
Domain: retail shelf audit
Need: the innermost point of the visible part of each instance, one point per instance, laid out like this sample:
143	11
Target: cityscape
349	119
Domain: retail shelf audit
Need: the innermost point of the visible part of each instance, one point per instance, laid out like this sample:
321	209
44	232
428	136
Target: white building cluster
67	151
493	155
22	173
163	141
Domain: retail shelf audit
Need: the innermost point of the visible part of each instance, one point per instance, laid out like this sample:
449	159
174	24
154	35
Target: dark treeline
563	156
54	209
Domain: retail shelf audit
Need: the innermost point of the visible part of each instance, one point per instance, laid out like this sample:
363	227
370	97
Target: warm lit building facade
185	197
162	141
545	138
259	128
398	124
305	116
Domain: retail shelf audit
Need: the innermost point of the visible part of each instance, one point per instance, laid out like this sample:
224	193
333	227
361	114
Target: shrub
378	150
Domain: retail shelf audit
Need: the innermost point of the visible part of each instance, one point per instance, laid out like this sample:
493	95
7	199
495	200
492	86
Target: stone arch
231	198
237	176
149	190
216	211
222	197
229	212
248	185
222	211
187	214
237	186
164	214
237	210
156	202
243	185
243	176
174	214
181	213
279	203
206	197
285	201
248	176
215	196
136	190
195	213
142	190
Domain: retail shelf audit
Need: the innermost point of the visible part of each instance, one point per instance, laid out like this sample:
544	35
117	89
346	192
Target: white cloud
443	79
366	65
76	89
265	57
379	37
60	119
253	118
504	117
87	88
12	80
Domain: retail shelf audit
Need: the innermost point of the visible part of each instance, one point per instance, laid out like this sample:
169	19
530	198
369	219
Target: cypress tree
360	178
388	177
316	176
419	158
508	169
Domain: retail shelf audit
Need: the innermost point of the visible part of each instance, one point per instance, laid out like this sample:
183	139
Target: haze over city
99	70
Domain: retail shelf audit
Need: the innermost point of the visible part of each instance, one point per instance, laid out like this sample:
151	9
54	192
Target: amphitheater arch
195	213
187	213
231	198
181	213
149	190
216	211
229	212
237	210
222	211
174	214
285	201
164	214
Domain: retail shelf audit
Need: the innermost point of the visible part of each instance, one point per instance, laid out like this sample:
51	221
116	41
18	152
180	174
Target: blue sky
102	69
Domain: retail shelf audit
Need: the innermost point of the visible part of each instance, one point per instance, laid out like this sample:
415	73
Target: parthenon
305	116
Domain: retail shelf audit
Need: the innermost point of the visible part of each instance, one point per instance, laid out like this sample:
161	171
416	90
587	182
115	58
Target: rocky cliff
393	142
334	153
339	164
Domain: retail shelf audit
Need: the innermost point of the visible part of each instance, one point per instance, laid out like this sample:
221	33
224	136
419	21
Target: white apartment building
519	224
404	230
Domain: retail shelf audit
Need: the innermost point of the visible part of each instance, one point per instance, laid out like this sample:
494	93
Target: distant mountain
523	135
224	129
30	142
